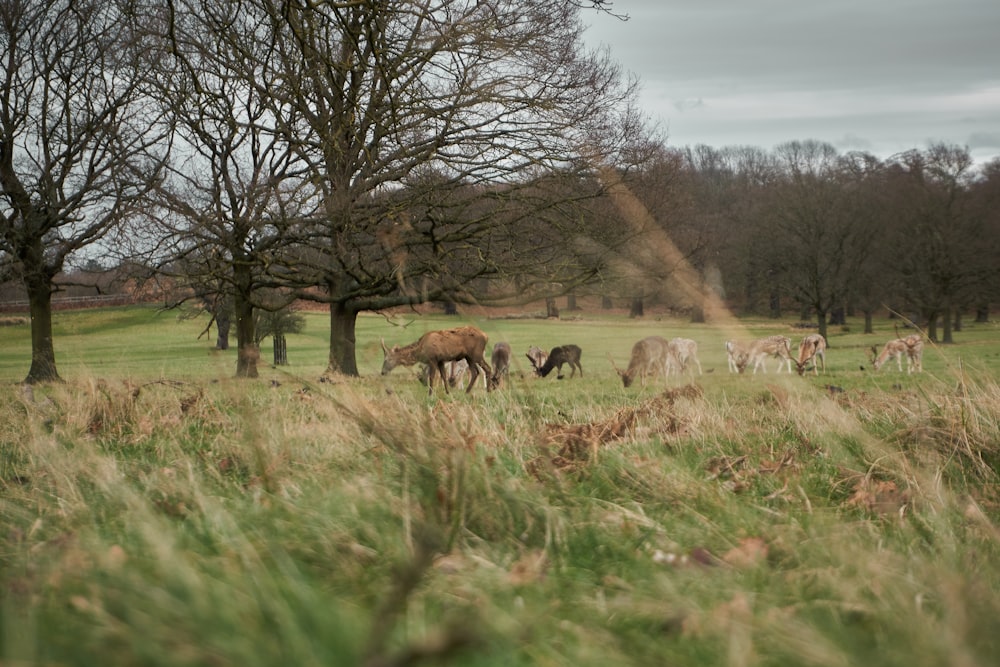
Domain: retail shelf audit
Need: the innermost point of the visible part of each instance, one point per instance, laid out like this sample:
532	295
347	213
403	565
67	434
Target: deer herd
450	353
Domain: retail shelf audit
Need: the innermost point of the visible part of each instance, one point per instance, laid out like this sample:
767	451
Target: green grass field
156	511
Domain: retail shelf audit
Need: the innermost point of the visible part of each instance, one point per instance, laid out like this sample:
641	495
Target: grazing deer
812	348
912	346
736	354
684	351
779	347
563	354
537	357
435	348
649	356
501	364
456	371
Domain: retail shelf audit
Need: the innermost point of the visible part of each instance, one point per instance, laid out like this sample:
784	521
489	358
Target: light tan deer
684	351
812	348
455	372
779	347
650	356
912	346
537	356
737	353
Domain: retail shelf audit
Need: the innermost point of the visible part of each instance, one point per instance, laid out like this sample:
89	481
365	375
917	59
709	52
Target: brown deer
912	346
812	348
563	354
779	347
501	364
435	348
650	356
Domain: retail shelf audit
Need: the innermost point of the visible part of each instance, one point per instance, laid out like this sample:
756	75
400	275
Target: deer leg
474	370
444	378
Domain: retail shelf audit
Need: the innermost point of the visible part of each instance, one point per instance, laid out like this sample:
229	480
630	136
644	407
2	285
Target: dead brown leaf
528	569
882	497
750	552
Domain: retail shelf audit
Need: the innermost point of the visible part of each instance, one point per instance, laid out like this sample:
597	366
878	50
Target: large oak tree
77	142
442	137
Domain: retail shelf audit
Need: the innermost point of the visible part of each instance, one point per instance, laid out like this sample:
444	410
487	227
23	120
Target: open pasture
143	343
156	511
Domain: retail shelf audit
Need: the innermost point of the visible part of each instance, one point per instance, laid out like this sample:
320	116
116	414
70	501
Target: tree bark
223	322
869	322
43	356
636	309
982	314
551	309
932	326
821	322
946	335
774	303
571	302
280	348
249	353
343	320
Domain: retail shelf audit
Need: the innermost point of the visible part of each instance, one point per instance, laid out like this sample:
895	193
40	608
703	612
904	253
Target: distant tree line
372	155
802	228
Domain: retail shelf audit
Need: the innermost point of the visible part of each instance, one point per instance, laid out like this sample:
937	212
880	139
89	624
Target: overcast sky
882	76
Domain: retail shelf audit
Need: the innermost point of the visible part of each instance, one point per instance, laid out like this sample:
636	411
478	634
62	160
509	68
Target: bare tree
729	187
77	142
231	187
820	226
435	134
943	251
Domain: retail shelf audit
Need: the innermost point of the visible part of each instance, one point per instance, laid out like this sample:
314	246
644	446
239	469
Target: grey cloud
855	73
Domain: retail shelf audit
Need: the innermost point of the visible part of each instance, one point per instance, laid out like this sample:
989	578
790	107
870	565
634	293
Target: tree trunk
821	322
983	314
774	303
869	321
280	349
342	358
571	302
551	310
636	309
249	353
697	315
958	320
932	327
43	355
946	336
838	316
606	303
450	308
223	322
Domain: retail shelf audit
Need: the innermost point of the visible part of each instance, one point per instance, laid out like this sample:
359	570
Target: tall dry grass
228	523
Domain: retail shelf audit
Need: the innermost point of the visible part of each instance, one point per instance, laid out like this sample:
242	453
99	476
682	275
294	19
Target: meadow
154	510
